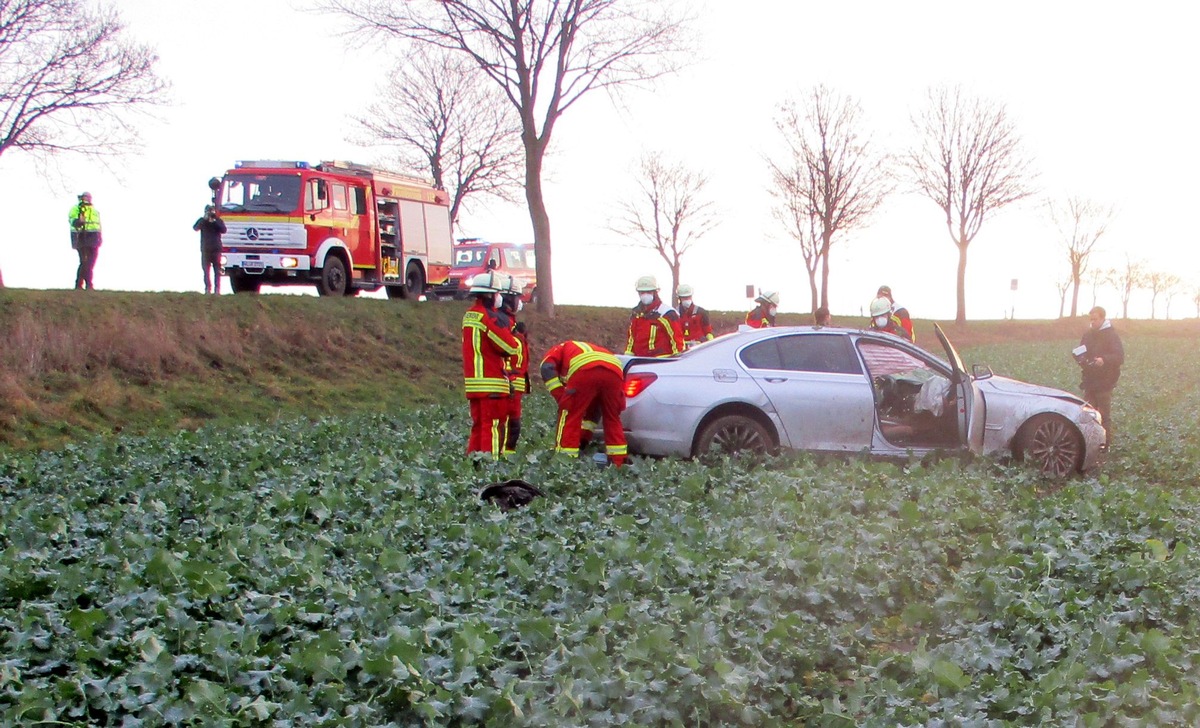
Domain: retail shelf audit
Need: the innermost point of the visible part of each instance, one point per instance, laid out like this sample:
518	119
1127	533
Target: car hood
1013	386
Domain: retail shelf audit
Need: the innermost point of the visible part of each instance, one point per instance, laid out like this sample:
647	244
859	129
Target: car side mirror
981	371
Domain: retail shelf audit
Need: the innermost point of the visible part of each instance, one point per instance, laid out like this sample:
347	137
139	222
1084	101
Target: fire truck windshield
260	193
469	256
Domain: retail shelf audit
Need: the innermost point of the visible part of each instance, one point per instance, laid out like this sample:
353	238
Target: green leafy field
343	572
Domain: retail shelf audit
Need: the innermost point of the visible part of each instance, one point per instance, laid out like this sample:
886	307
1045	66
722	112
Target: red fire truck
340	226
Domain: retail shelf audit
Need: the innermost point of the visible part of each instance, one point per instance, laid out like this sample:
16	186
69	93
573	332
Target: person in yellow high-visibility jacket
85	238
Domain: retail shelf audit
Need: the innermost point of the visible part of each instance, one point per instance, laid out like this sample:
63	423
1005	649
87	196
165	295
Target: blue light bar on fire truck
270	164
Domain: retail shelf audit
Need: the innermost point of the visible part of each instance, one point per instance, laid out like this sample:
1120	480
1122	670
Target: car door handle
775	380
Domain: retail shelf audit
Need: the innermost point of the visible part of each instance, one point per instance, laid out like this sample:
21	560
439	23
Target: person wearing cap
900	312
583	377
693	320
763	315
654	327
85	238
211	228
487	342
882	319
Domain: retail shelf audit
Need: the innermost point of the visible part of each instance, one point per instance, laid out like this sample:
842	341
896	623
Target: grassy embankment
76	364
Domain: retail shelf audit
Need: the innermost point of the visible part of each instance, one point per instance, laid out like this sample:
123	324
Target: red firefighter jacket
517	365
654	330
759	318
695	324
563	360
486	343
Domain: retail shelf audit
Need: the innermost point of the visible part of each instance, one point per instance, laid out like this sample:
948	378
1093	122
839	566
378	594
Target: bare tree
1062	286
840	179
69	77
1196	300
1127	280
670	211
969	161
1080	224
1159	283
545	55
1097	278
440	115
1174	288
799	219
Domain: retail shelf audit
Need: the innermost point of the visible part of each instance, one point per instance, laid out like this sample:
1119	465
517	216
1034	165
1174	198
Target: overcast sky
1100	91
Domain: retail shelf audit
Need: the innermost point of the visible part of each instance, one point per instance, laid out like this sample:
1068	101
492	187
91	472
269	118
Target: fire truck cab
340	226
473	256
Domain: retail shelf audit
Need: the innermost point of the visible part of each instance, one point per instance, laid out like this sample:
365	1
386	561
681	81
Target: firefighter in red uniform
693	319
654	328
517	365
763	315
900	312
580	375
486	342
882	319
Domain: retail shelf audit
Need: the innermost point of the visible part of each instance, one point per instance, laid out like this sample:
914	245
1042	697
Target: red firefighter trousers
489	423
600	387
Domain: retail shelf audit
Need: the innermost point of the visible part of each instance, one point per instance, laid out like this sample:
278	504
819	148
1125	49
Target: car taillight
637	382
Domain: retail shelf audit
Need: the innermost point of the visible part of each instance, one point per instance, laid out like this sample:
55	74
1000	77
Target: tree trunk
1062	302
674	283
1074	294
960	316
825	268
812	288
534	151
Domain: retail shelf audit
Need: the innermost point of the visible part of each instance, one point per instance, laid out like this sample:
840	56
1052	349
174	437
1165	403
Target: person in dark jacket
1101	361
211	228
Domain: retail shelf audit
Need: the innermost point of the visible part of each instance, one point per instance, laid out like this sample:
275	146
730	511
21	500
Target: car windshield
469	256
261	193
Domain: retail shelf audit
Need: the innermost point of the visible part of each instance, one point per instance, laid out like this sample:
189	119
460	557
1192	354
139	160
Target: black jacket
1104	344
210	233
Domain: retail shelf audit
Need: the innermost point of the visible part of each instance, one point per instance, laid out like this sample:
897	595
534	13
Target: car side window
883	360
762	355
513	258
825	353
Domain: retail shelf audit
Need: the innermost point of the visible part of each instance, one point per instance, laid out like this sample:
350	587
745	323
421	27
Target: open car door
969	400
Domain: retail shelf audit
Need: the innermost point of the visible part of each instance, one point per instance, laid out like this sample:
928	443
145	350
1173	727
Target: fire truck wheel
243	284
414	282
333	278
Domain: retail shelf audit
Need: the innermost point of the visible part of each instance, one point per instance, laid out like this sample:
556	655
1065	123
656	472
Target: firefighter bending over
517	365
763	315
654	328
580	375
486	343
693	320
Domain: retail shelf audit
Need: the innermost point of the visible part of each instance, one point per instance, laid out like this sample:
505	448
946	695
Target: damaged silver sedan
849	391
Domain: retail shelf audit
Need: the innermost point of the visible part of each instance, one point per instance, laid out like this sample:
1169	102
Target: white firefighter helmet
771	297
646	284
685	291
490	282
516	286
880	306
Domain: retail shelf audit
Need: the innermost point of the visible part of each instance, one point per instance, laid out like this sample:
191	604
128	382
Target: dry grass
104	361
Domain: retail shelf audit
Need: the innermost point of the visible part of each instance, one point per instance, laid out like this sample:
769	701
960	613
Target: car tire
334	281
1051	444
734	435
